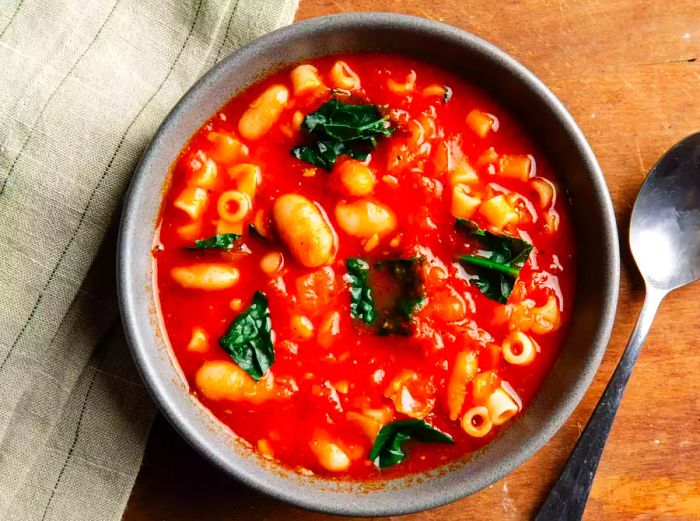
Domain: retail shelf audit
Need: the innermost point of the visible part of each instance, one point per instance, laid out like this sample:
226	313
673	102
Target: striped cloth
83	86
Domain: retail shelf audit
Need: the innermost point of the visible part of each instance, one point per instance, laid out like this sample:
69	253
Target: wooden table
629	72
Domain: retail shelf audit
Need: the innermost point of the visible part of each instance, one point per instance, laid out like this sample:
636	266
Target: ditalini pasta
364	266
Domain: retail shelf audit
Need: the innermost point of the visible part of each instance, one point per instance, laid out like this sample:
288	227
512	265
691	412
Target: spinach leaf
497	273
222	241
388	450
361	301
411	294
249	338
337	128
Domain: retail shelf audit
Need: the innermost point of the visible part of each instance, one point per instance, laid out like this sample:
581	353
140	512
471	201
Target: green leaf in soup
499	267
336	129
361	301
410	296
322	154
249	338
388	446
344	122
221	241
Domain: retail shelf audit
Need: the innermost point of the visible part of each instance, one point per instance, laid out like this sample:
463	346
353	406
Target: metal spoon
665	243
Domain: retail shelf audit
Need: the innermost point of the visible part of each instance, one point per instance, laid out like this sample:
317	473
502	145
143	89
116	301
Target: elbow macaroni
501	406
343	77
519	349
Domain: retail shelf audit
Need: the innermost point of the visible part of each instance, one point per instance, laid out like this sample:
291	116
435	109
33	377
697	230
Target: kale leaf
497	273
388	446
249	338
337	128
411	294
361	301
222	241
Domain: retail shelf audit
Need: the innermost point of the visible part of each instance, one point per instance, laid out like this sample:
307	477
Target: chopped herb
249	338
410	298
388	450
361	301
221	241
337	128
448	94
497	273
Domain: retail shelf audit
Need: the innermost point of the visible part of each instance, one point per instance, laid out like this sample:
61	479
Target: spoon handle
567	499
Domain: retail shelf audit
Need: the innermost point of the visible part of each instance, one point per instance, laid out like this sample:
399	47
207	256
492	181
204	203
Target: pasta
477	421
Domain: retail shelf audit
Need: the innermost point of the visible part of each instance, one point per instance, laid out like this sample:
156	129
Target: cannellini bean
305	230
263	112
477	422
233	206
363	218
330	455
208	276
463	205
343	77
305	79
272	263
302	327
498	212
481	123
501	406
463	371
219	380
192	200
226	148
355	177
199	341
224	380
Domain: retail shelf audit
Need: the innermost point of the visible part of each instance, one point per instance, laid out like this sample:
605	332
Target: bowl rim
146	360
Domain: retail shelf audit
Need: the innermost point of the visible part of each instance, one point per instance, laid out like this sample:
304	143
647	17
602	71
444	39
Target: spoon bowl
665	227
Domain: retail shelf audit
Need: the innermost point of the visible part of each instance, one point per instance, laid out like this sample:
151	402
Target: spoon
665	243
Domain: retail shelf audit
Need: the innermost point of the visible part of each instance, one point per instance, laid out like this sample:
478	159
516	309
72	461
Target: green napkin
83	86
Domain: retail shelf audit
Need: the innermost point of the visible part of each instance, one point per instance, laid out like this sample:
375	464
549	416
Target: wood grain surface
629	72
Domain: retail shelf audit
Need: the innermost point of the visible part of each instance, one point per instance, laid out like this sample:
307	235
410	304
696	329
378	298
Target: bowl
555	131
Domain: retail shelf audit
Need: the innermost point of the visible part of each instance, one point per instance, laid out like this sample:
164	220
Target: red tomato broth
358	355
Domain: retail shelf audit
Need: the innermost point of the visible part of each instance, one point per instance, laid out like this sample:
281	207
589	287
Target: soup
364	266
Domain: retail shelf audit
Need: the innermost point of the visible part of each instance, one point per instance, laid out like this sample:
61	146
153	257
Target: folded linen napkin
83	86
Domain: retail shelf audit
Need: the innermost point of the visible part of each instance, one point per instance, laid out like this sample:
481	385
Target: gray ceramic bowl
557	134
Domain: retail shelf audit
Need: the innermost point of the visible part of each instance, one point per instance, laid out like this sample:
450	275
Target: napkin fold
83	86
